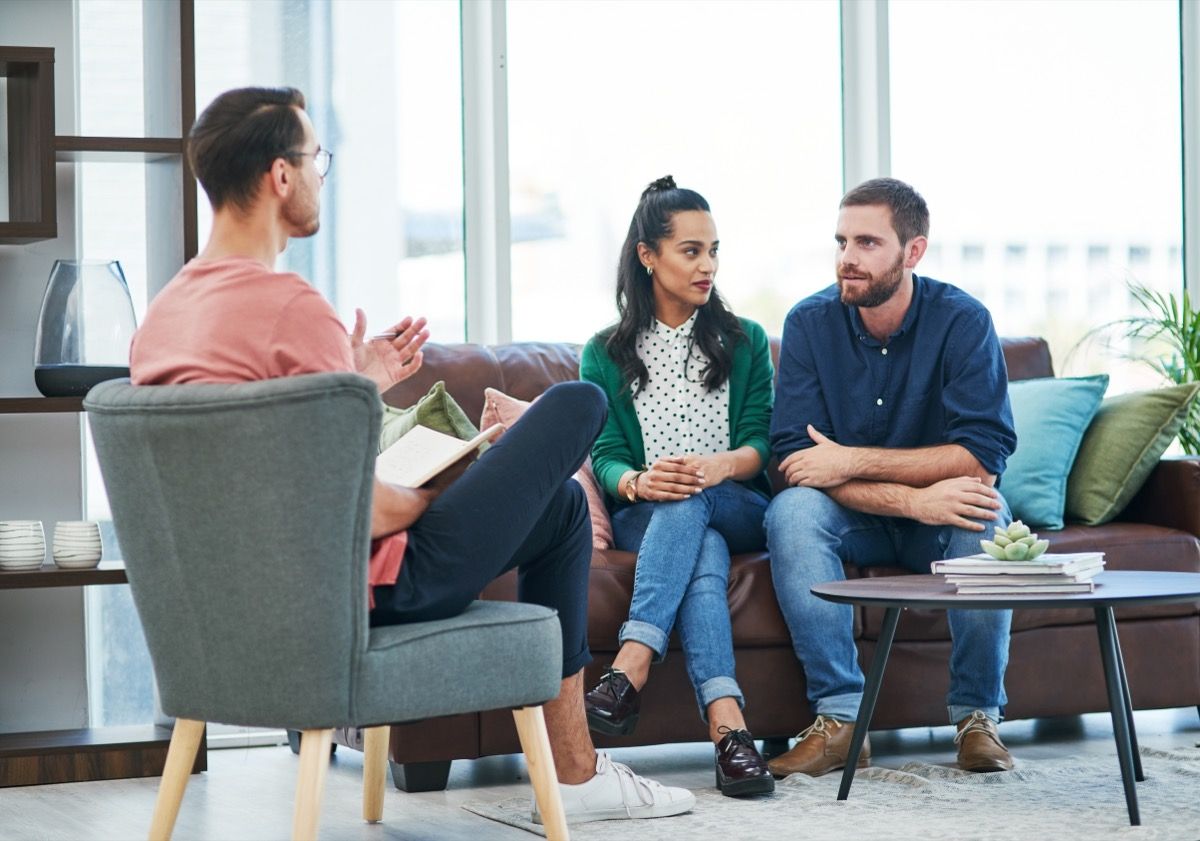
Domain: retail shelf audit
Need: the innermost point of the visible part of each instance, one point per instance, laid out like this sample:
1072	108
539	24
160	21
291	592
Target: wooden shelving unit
35	405
87	753
32	203
33	147
33	150
115	149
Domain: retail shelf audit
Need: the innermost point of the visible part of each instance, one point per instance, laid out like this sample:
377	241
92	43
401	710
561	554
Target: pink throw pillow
499	407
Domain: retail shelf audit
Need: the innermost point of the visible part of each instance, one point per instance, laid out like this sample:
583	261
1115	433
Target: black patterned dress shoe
741	770
612	706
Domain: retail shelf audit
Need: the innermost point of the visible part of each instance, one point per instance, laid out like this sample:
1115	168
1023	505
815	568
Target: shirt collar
683	331
910	316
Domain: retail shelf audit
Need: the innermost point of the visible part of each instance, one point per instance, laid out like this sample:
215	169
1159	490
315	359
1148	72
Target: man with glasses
228	316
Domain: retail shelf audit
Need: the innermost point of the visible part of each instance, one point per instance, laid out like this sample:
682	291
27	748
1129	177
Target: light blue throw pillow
1050	416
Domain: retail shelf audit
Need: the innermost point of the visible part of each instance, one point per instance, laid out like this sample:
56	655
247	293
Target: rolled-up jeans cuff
959	711
648	635
718	687
841	707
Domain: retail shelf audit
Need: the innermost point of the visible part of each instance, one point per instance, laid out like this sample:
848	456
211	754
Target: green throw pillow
1050	416
436	410
1121	447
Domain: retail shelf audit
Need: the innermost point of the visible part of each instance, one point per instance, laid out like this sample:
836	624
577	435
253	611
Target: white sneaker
616	792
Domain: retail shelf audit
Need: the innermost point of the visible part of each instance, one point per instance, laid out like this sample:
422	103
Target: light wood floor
247	792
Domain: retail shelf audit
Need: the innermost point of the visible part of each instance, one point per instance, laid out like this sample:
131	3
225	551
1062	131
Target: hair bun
665	183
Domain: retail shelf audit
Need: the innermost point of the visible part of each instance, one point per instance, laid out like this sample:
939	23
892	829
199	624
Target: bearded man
892	426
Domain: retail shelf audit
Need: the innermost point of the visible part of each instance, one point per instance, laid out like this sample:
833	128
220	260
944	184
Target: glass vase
84	328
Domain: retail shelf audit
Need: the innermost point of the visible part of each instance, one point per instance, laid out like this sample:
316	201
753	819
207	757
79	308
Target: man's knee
800	508
580	404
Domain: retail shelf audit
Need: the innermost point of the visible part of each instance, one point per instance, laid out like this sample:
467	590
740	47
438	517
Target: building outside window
1028	129
739	101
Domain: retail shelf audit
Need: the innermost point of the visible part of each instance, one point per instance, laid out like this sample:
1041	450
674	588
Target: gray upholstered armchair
243	513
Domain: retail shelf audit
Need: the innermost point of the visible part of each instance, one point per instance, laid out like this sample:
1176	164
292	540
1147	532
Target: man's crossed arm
939	485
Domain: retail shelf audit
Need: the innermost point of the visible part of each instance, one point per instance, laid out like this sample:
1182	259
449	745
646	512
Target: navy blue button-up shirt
939	379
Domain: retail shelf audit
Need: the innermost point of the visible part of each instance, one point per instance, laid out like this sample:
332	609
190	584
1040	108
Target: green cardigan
619	447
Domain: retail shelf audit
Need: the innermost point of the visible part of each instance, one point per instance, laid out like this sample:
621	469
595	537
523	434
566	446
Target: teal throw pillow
436	410
1050	415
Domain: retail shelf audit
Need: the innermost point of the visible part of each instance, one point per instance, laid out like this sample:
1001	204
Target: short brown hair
239	134
910	215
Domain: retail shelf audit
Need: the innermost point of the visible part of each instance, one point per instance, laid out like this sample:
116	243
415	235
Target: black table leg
1137	754
1117	707
870	695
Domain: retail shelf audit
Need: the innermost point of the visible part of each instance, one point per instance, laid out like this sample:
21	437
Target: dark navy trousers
515	508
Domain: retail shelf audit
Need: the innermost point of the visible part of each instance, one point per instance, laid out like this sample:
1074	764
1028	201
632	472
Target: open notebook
422	453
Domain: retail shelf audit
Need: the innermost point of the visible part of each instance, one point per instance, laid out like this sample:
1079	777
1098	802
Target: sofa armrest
1170	497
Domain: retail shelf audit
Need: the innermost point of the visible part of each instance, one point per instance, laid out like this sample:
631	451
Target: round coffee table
1113	589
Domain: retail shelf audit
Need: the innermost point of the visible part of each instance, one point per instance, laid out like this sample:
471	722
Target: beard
302	212
880	289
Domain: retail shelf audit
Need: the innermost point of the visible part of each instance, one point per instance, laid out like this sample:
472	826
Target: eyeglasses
322	159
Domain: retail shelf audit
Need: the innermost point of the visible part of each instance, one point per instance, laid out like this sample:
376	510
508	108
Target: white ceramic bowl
76	563
71	542
22	563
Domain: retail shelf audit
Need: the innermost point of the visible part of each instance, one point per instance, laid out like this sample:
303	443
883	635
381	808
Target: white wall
43	682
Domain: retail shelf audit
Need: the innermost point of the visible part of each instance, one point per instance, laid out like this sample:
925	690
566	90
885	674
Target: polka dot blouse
677	412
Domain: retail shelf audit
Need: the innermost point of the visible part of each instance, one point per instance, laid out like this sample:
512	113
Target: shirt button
879	401
883	351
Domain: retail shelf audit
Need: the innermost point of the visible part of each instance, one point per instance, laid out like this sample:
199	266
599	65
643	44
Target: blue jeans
683	572
810	536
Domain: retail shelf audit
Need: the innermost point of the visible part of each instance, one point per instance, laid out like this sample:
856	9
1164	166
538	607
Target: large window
383	84
1046	138
738	100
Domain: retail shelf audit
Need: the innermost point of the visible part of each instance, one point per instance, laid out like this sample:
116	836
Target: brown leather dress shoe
821	748
613	705
741	769
979	746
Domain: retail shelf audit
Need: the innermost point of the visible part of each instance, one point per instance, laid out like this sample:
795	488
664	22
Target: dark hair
716	327
235	139
910	216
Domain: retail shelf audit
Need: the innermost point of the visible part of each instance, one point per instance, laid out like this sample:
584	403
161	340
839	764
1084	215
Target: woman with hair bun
681	459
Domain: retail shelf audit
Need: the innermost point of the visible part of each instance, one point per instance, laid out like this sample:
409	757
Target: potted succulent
1166	338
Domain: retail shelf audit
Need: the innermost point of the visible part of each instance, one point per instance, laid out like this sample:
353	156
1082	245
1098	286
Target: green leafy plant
1166	338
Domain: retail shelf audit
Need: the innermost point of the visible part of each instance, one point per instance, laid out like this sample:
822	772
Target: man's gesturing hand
955	502
824	465
388	361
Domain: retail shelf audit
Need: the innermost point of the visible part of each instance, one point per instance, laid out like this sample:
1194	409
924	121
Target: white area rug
1064	799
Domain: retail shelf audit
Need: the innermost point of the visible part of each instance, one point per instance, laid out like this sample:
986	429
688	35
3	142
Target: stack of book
1049	573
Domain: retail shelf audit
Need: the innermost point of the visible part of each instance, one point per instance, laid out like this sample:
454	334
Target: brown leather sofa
1053	667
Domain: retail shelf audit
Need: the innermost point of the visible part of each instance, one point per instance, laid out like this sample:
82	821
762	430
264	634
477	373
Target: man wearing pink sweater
228	316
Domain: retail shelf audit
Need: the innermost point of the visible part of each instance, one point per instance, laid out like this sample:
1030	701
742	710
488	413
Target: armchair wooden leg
375	763
531	729
314	760
185	740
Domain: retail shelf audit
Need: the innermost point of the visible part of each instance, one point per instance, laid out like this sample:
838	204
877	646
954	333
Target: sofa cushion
1126	546
1050	416
501	408
1026	357
1121	446
436	410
